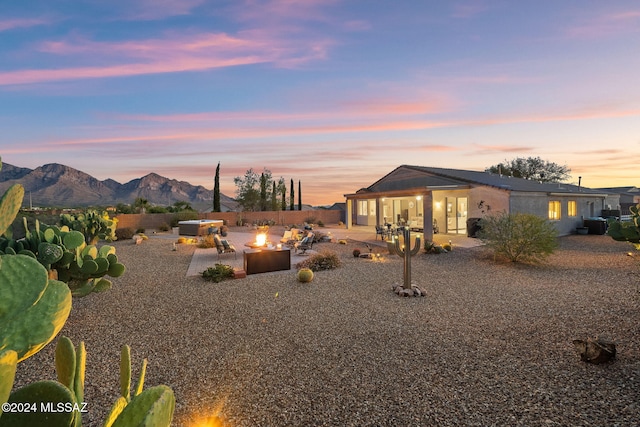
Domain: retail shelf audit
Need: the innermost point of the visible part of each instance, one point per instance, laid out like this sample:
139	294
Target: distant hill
62	186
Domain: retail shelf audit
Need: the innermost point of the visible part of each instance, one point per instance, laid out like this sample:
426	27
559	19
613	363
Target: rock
595	351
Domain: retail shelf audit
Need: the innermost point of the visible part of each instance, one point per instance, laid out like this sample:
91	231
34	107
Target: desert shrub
183	216
428	246
163	227
224	230
320	223
218	273
140	230
207	242
318	236
518	237
325	260
157	209
124	233
433	248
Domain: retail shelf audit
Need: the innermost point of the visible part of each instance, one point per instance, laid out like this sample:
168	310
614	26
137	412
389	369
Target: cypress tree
216	190
284	196
292	198
263	192
274	198
299	196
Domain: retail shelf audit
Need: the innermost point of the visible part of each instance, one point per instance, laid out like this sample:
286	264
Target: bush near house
518	237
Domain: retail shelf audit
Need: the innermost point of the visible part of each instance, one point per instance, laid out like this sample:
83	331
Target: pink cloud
489	149
436	148
10	24
469	9
158	9
173	53
606	25
270	11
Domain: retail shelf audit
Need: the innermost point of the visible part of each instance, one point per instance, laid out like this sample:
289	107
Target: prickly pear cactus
627	231
33	308
10	205
37	394
152	407
8	364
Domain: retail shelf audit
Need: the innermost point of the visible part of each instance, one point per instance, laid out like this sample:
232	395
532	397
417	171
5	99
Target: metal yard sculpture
404	251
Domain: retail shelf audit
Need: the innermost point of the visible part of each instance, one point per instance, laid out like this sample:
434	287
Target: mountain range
62	186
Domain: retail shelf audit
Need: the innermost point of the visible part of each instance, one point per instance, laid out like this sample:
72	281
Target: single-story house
443	200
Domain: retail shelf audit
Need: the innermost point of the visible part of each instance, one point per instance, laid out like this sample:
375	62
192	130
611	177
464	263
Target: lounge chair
224	246
304	244
286	237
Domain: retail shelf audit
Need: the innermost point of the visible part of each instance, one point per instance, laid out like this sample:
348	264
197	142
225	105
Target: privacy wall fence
158	220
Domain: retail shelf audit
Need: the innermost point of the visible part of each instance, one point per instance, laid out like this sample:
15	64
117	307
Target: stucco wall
154	221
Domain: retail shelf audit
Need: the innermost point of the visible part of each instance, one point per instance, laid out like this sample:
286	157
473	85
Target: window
362	207
572	209
554	210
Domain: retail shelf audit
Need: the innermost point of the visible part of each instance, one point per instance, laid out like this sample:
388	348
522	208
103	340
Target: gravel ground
491	344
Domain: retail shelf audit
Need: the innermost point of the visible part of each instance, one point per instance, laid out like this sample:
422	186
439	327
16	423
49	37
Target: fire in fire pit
261	239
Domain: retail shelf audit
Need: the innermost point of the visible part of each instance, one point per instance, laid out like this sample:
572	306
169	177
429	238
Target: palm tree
141	205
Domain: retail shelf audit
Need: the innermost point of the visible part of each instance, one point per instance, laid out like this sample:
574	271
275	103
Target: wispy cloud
469	9
170	54
11	24
158	9
489	149
606	25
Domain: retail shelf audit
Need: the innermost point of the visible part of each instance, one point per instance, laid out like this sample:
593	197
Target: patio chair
224	246
286	236
304	244
294	237
381	231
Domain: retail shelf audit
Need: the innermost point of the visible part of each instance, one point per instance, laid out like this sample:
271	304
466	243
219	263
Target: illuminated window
362	207
572	209
554	210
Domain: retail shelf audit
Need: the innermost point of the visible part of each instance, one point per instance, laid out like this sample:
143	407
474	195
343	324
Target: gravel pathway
491	344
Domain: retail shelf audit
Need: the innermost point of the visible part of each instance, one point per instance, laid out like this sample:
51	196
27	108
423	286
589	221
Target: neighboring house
629	196
427	198
342	207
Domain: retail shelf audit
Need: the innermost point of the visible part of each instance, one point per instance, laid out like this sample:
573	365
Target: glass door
457	215
462	215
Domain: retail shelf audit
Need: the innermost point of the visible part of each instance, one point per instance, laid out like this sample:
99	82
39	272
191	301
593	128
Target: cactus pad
154	406
8	364
65	362
10	205
42	392
33	308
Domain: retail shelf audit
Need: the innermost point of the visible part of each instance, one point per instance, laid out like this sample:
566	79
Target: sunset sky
333	93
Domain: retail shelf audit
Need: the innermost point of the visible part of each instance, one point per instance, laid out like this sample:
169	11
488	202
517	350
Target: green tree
140	205
248	189
518	237
533	168
216	190
181	206
291	197
274	198
299	196
263	192
283	190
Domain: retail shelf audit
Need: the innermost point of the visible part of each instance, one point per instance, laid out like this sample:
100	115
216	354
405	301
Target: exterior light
418	197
